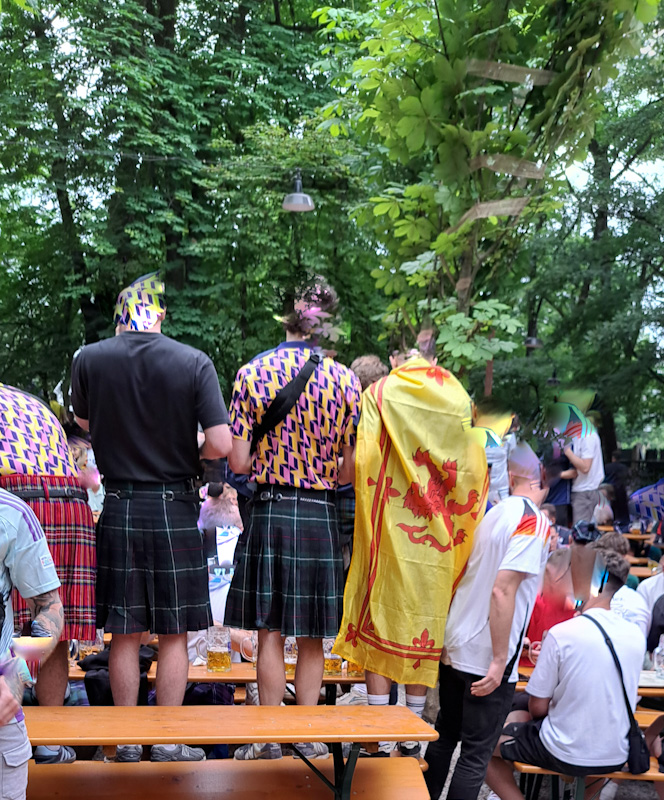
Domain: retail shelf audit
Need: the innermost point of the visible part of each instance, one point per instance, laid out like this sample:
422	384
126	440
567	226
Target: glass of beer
249	648
218	640
332	661
354	670
290	655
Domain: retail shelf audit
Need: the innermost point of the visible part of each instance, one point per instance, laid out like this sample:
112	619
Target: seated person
554	604
579	724
626	601
559	533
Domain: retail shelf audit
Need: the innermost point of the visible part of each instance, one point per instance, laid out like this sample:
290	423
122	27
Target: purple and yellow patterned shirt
303	451
32	441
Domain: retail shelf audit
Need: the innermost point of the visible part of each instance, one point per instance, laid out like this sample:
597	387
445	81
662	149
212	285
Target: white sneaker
352	698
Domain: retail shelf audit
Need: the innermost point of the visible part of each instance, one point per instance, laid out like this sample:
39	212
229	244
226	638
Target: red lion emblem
434	501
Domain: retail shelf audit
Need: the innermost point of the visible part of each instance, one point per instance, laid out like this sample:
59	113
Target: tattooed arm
47	614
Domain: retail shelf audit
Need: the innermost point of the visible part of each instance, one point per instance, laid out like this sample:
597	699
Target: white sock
416	703
379	700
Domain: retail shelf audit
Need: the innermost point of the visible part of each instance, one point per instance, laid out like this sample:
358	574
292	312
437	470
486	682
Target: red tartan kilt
70	533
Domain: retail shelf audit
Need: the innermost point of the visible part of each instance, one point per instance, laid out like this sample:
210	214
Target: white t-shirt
589	446
514	535
651	589
629	605
587	723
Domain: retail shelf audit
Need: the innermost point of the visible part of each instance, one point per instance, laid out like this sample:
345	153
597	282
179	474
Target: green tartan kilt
289	573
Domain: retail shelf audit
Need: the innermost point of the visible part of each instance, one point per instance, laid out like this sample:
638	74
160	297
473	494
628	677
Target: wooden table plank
103	725
644	572
385	778
243	672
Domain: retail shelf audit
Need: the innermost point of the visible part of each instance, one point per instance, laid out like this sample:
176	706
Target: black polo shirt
144	395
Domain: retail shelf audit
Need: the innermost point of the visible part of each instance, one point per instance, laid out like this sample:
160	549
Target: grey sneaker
181	752
411	749
128	752
313	750
250	752
58	755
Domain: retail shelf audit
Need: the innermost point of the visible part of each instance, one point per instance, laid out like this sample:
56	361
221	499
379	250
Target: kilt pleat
70	532
289	575
152	571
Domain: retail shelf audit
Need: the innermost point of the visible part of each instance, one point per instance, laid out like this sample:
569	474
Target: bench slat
653	774
103	725
385	778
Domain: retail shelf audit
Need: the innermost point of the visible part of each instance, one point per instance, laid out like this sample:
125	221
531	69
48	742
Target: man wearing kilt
289	577
37	466
142	395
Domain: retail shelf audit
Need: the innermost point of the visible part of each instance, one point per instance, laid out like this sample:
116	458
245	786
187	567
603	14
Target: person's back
142	396
587	721
467	636
149	392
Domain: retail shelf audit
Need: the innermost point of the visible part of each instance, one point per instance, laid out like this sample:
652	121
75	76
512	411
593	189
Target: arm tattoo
47	612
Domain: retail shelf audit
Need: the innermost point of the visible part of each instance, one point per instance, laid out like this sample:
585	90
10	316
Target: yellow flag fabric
421	486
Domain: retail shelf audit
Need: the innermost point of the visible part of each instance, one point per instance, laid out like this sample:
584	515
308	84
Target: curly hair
369	369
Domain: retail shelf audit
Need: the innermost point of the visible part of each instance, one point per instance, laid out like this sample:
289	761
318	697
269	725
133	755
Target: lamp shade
298	200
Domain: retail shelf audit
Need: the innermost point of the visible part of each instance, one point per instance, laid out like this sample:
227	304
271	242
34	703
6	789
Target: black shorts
526	746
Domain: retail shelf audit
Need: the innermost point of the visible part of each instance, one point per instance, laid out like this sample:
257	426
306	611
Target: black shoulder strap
609	644
284	400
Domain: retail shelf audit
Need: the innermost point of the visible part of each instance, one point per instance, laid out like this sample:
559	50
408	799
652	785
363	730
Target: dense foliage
436	138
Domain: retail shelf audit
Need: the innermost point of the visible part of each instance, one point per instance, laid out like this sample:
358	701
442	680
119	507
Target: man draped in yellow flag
421	486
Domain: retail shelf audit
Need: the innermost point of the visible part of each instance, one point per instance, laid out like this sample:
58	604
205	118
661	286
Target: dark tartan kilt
151	568
289	575
70	533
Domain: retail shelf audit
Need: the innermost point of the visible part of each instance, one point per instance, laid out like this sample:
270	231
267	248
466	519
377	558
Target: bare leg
416	689
309	671
172	669
500	778
377	684
270	668
123	668
53	677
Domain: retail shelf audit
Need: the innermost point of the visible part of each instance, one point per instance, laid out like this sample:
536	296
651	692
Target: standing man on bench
25	564
142	395
289	576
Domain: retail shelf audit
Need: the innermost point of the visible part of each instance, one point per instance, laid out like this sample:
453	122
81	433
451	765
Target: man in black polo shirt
142	395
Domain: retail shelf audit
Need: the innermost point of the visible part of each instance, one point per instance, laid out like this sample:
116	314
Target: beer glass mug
218	641
86	648
354	670
290	655
251	645
332	661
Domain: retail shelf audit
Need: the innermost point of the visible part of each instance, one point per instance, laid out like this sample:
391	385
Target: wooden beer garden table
644	572
240	673
143	725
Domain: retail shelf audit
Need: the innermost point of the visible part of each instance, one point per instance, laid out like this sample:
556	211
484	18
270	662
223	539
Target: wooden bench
195	725
578	791
288	779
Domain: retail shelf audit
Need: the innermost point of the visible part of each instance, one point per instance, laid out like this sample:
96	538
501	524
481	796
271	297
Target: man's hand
11	694
491	681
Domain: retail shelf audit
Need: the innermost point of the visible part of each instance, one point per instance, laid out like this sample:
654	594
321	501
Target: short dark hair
548	508
369	369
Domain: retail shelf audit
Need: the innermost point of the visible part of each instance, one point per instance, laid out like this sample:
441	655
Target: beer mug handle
201	647
250	647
